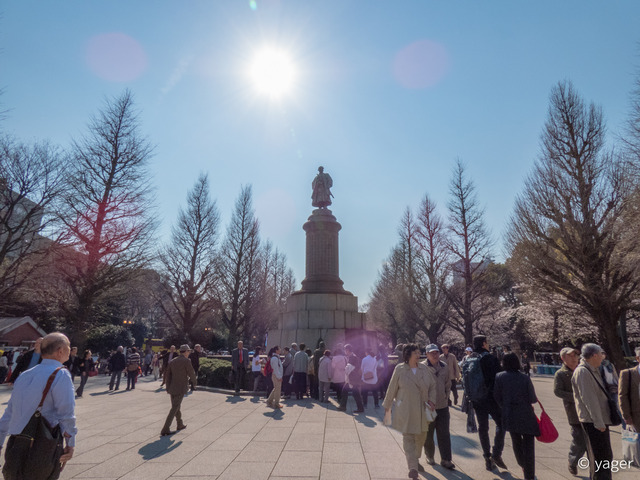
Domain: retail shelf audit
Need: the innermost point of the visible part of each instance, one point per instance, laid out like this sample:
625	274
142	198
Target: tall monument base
330	317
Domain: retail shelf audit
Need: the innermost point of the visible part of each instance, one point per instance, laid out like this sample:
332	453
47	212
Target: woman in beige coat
413	388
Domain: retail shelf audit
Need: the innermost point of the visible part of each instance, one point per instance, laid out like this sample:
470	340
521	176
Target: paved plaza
231	437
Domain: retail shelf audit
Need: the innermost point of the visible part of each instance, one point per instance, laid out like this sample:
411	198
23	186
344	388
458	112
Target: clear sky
386	96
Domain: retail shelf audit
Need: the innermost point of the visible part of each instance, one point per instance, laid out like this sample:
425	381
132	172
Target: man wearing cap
563	389
177	376
454	371
440	426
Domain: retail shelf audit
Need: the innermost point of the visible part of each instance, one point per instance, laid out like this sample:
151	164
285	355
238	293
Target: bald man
58	407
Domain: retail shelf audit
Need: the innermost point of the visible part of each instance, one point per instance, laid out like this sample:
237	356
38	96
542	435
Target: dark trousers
300	384
599	450
365	389
176	401
525	451
355	391
115	378
454	390
286	385
441	428
338	388
239	380
313	387
132	377
83	380
483	410
578	445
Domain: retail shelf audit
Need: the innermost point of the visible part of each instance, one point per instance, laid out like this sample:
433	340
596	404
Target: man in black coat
195	360
490	366
27	360
118	362
239	364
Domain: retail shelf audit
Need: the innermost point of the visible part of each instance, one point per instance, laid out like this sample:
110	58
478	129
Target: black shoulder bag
616	419
35	453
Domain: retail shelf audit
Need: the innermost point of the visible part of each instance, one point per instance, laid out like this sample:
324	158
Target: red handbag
93	372
548	432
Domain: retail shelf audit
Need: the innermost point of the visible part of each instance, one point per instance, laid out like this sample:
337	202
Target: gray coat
563	389
442	373
515	394
592	404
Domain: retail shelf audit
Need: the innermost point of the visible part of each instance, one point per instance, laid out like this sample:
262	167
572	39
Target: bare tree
432	266
469	244
107	211
32	179
569	223
236	278
189	260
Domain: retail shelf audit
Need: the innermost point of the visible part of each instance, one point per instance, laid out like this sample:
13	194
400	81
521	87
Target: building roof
11	323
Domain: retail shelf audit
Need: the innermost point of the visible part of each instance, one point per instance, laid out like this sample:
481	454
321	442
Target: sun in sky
272	72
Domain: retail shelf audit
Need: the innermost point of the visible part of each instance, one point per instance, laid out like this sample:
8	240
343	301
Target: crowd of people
415	395
496	387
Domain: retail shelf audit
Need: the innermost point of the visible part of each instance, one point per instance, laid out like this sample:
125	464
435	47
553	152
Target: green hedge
214	372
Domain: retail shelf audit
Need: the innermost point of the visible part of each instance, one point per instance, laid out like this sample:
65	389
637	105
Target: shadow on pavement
97	394
277	414
235	399
464	447
158	448
449	474
362	418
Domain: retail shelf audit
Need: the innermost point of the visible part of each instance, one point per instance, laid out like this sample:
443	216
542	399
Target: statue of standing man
321	196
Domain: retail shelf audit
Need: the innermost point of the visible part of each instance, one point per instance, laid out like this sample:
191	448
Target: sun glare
272	72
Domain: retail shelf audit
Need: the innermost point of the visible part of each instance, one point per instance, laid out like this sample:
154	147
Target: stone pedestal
331	317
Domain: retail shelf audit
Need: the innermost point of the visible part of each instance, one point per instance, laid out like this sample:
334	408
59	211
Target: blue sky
388	95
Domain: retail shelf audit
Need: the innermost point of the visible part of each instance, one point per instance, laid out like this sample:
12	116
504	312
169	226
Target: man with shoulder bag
40	417
629	397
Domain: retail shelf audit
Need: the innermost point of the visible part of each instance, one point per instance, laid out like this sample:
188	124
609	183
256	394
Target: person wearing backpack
353	374
479	374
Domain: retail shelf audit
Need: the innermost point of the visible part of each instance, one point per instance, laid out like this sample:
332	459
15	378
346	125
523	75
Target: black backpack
473	381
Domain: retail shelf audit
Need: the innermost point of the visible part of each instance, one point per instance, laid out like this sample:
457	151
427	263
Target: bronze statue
321	195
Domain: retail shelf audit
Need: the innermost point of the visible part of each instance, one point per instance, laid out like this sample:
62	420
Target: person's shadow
160	447
277	414
235	399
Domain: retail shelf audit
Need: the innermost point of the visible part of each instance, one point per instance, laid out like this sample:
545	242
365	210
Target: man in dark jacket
240	363
117	363
563	389
352	382
29	360
195	359
490	366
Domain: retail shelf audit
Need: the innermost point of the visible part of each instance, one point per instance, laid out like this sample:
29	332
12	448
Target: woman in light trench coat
413	388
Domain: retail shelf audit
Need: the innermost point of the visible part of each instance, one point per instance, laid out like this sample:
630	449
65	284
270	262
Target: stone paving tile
249	470
232	441
277	434
291	463
341	435
208	463
261	451
305	442
152	471
334	471
342	453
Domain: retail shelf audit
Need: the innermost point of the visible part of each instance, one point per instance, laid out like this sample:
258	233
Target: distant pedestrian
148	357
526	364
287	365
71	363
117	364
412	389
338	365
382	370
133	364
563	389
369	378
165	359
195	358
352	381
85	365
256	368
155	366
178	375
276	376
515	394
324	376
28	360
315	382
300	368
592	405
4	366
454	371
239	365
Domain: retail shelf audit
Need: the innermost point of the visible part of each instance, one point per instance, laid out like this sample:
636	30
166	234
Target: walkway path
231	437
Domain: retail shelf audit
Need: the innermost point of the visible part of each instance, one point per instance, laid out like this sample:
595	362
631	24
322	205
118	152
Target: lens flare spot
116	57
272	72
421	64
253	5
